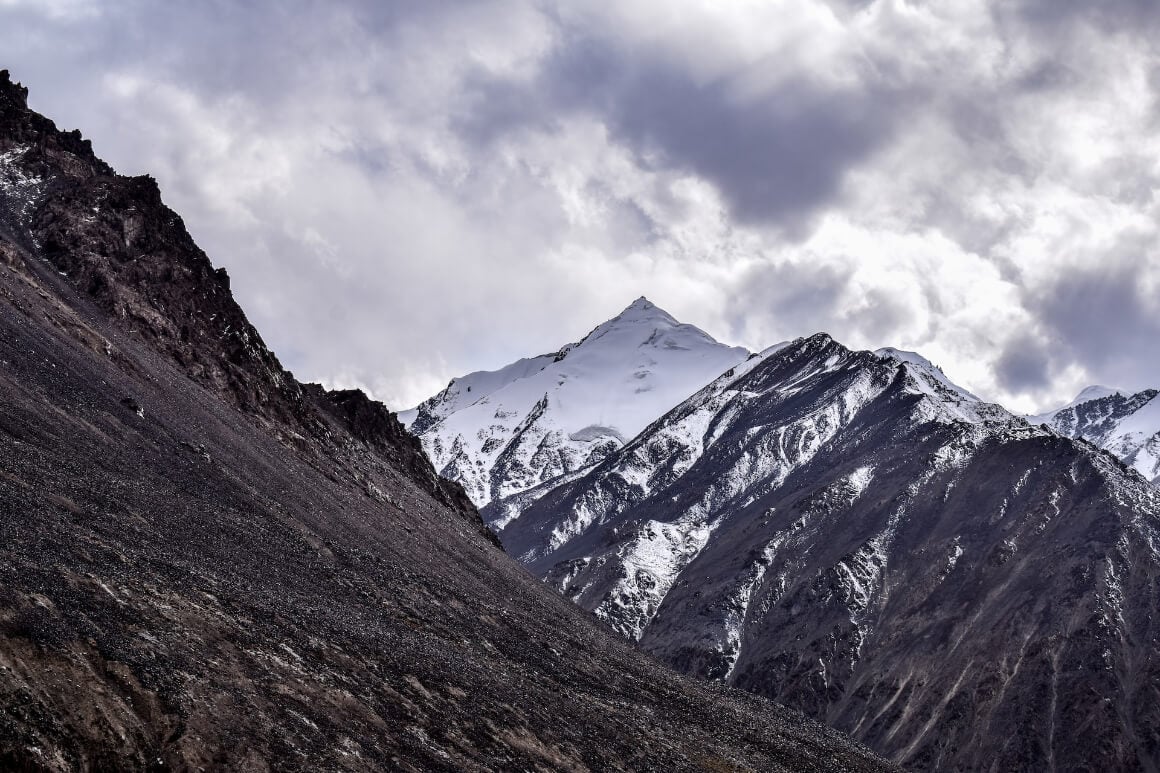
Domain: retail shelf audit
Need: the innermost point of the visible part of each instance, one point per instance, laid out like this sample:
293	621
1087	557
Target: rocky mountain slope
206	565
1125	424
501	432
852	534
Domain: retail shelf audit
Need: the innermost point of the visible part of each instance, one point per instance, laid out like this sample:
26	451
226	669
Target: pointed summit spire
13	90
26	129
644	309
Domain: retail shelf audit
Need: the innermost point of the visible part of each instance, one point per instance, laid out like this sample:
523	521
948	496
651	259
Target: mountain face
1127	425
499	433
854	535
207	565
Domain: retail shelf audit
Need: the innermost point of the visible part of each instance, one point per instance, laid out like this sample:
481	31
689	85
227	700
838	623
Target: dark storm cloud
776	157
1103	317
800	299
1133	16
1024	365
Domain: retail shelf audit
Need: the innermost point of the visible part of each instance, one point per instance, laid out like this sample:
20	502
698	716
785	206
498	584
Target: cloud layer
405	192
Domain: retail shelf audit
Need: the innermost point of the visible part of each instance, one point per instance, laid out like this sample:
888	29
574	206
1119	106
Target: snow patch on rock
651	561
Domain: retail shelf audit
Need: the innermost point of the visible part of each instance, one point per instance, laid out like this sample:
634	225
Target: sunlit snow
502	432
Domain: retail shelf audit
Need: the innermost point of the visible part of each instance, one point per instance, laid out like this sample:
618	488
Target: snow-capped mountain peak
1096	392
948	401
642	323
1125	424
923	370
501	432
642	309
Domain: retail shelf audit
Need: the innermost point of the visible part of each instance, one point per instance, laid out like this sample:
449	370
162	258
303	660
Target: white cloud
406	192
56	10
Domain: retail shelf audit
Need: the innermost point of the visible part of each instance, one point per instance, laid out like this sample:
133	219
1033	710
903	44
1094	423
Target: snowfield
501	432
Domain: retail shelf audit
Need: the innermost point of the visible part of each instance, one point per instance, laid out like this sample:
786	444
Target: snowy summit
1122	423
501	432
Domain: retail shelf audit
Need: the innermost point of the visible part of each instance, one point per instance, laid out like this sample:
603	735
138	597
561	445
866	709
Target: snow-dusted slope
854	535
1125	424
502	432
809	390
948	400
19	188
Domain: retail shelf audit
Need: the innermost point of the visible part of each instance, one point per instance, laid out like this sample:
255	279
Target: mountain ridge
821	524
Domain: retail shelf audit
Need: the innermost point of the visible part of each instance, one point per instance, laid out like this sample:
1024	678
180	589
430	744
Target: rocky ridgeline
118	244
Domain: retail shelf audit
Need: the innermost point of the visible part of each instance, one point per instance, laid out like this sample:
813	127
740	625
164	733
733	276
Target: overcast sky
407	191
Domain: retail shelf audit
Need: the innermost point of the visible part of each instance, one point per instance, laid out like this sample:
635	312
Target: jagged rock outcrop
205	565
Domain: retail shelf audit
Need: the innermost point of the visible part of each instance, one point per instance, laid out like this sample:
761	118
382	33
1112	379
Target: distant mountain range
853	534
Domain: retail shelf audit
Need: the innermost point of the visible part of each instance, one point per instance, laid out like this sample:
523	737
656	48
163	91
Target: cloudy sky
407	191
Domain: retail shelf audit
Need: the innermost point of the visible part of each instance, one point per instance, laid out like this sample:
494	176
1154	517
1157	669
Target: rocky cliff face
852	534
206	565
